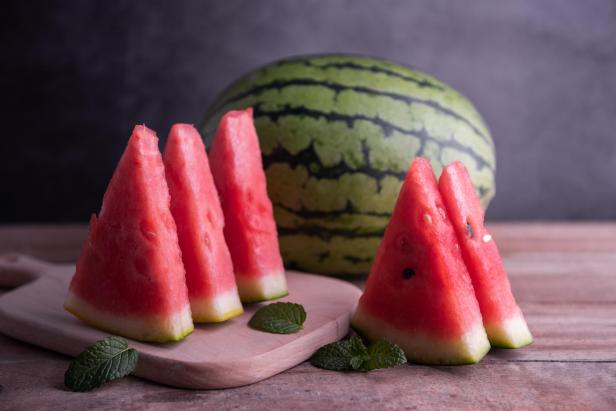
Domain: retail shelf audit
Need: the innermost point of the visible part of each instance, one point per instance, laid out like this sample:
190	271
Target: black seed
408	273
469	230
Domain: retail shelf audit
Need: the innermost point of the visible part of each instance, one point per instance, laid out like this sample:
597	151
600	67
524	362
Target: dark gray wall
77	75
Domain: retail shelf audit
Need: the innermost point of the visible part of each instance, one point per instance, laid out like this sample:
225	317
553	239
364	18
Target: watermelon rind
267	287
218	308
153	328
421	348
511	333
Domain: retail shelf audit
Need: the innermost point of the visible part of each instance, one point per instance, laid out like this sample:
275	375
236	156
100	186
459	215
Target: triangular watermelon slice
196	209
130	278
502	318
250	229
419	294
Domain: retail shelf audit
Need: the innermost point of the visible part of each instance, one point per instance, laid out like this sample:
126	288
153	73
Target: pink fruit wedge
250	230
196	209
130	277
419	294
502	318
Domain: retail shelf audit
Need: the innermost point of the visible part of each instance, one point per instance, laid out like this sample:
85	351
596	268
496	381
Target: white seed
427	218
487	238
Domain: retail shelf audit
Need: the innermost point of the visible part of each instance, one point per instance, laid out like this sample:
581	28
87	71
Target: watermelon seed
469	230
408	273
427	218
487	238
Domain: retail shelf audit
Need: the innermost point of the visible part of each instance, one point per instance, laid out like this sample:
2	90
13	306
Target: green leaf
341	355
335	356
102	362
356	362
279	318
356	346
383	354
358	351
352	354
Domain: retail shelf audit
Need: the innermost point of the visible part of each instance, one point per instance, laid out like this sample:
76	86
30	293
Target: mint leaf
358	351
335	356
356	362
383	354
279	318
352	354
356	345
341	355
104	361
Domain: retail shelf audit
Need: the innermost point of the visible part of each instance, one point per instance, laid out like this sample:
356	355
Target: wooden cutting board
223	355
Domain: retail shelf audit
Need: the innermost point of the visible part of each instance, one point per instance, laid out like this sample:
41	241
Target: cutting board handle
20	269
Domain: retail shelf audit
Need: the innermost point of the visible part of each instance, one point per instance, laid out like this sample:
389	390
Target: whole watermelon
338	134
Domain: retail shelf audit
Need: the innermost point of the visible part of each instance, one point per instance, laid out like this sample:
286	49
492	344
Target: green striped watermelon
337	135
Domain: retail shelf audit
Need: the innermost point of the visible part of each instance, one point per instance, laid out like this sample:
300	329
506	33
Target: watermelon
250	229
338	134
419	293
502	318
196	209
130	278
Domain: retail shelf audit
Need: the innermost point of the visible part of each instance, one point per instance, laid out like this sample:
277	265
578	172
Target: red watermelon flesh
250	230
502	318
419	294
129	278
196	209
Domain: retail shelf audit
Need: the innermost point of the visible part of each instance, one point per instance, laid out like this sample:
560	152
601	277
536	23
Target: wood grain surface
563	275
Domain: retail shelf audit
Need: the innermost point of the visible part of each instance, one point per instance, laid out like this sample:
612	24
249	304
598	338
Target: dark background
76	75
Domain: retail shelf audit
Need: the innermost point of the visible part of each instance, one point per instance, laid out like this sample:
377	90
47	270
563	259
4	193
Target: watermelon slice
196	209
419	294
502	318
130	278
250	229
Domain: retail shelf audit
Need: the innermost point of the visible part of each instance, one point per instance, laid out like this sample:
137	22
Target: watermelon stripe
327	233
341	274
387	127
308	155
327	254
338	88
357	260
342	64
348	210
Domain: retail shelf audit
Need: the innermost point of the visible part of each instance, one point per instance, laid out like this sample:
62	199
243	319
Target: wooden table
564	277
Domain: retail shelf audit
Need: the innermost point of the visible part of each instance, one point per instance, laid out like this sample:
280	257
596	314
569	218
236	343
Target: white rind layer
254	289
157	328
217	308
511	333
425	349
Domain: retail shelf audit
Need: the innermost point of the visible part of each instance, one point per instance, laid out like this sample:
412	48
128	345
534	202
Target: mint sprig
353	355
279	318
104	361
384	354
